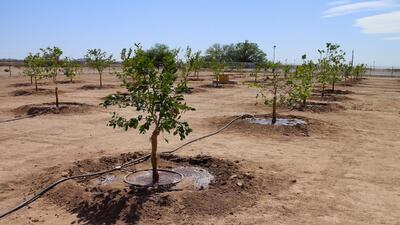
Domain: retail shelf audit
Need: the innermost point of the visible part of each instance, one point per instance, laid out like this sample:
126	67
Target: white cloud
387	23
336	3
343	9
392	38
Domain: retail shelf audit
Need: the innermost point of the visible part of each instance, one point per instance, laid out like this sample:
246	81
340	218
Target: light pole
274	54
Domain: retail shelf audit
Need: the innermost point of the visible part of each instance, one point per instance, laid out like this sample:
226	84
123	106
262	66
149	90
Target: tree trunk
323	91
31	80
333	87
274	100
36	87
274	111
71	80
101	81
56	92
9	69
304	103
154	156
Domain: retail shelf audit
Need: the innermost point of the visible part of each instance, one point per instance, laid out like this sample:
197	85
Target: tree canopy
246	51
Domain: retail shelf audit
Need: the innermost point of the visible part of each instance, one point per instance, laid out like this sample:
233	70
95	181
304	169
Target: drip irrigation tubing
24	117
115	168
18	118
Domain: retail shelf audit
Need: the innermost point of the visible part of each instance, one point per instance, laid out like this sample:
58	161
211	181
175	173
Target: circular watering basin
279	121
198	177
144	178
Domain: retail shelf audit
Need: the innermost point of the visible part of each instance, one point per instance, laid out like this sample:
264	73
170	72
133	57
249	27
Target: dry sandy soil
345	169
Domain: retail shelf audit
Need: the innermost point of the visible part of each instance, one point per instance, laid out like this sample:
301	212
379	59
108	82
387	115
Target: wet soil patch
50	108
246	127
97	87
232	189
40	91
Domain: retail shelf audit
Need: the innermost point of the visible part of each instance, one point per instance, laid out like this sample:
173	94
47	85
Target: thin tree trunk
31	80
274	100
9	69
154	160
36	87
333	87
101	81
56	92
323	91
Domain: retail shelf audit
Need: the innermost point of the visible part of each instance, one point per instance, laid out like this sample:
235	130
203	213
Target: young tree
286	71
53	64
34	68
277	88
254	73
240	68
333	59
197	62
300	83
187	68
153	93
218	71
98	60
70	68
358	71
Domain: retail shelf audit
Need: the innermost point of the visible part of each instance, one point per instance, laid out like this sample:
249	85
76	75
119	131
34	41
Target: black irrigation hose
24	117
209	135
134	161
18	118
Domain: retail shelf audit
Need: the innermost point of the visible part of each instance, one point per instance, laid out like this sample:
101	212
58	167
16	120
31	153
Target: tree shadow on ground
109	207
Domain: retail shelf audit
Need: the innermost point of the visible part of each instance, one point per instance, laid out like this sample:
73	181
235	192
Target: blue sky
371	28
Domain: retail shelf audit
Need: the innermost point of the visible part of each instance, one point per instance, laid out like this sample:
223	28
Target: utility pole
274	54
352	58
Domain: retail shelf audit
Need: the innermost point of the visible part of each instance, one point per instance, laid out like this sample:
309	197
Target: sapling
254	73
300	83
277	88
286	71
333	59
347	70
240	68
197	62
52	63
275	81
98	60
34	68
187	68
218	70
358	71
154	94
71	68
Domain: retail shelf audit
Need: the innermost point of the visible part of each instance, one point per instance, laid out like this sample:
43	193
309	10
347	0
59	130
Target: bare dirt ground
344	170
